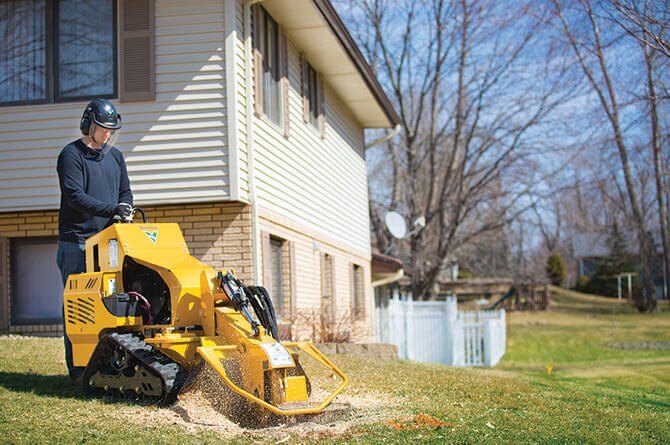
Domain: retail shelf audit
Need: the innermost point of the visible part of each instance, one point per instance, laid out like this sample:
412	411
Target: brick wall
217	234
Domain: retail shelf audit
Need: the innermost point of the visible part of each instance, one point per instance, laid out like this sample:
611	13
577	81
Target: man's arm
125	194
71	178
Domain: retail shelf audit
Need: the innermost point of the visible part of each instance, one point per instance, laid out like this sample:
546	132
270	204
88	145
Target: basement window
277	275
36	285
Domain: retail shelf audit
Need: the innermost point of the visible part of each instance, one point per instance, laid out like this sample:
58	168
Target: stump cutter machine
146	313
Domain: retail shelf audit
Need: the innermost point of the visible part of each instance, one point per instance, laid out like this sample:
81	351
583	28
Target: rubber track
171	374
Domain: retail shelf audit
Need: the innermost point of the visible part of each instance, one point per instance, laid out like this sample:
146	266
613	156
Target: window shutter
283	42
322	107
327	284
333	278
352	305
361	292
137	50
267	261
304	88
258	59
4	284
294	279
324	276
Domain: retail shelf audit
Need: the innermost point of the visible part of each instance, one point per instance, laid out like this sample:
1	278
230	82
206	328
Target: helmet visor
103	136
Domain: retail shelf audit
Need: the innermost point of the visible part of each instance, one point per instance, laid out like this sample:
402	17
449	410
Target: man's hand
123	210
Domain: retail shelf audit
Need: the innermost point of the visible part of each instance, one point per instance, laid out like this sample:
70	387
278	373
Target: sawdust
208	404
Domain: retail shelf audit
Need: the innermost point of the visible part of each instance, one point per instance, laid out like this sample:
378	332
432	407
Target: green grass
594	394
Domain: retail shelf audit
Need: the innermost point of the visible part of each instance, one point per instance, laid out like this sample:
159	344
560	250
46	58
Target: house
591	249
242	121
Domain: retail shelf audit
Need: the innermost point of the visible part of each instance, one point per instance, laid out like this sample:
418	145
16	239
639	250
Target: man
94	190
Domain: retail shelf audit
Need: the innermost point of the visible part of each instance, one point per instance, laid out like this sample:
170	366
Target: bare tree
582	28
464	76
647	21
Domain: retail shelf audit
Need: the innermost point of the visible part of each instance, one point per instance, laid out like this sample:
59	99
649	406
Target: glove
123	210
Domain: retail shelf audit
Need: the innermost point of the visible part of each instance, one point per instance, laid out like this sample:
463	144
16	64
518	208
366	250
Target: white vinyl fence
436	332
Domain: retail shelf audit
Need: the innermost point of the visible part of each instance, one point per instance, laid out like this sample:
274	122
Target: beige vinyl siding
309	246
321	183
175	146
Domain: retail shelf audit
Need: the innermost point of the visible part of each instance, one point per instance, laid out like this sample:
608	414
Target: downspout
384	138
248	74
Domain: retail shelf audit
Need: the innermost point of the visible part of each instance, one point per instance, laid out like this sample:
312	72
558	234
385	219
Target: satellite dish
395	224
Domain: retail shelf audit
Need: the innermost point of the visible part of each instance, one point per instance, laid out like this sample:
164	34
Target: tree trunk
658	164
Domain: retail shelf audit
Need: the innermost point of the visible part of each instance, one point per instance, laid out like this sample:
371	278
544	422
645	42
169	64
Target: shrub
582	283
315	326
465	275
556	269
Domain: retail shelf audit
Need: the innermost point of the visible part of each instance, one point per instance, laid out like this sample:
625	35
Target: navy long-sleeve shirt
92	183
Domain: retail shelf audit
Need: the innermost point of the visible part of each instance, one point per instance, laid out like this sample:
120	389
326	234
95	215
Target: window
312	97
270	77
278	279
276	276
357	292
271	68
36	285
55	51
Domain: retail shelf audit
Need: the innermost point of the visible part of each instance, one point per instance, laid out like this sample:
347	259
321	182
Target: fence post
488	332
451	315
494	338
409	329
397	332
457	335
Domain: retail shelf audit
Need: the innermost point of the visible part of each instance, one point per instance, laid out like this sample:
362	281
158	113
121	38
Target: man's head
100	122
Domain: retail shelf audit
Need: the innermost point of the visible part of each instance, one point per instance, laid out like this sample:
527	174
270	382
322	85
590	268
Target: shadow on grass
42	385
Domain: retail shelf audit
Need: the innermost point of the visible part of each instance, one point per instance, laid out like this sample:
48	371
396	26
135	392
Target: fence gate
473	341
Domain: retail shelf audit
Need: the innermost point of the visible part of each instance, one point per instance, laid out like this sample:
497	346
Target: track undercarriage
123	364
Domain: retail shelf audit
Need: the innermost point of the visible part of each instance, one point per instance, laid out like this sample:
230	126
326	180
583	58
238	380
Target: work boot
77	376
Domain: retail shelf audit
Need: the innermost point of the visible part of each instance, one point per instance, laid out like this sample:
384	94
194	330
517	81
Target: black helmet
100	112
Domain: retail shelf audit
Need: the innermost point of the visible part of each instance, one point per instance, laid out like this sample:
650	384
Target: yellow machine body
194	319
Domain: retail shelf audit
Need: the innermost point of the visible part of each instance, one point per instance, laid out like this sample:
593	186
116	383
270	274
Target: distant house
243	123
591	248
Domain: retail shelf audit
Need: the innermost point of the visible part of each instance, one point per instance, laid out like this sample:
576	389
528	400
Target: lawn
588	370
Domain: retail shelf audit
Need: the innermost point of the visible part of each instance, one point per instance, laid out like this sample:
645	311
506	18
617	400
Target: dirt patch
208	404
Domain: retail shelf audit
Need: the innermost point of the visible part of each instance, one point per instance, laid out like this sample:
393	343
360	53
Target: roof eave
346	40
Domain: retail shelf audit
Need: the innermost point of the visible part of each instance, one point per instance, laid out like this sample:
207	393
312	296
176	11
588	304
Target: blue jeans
71	259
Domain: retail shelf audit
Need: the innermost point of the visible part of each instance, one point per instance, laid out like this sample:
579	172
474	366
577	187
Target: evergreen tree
604	280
